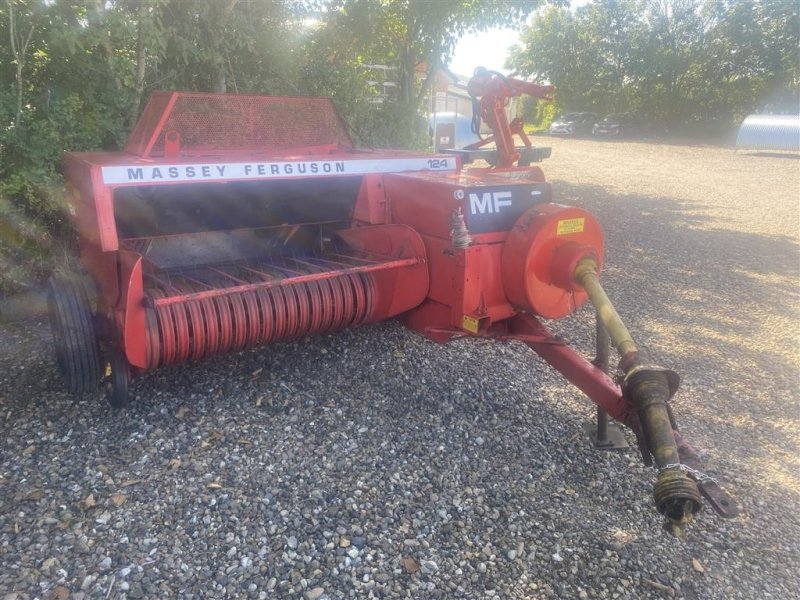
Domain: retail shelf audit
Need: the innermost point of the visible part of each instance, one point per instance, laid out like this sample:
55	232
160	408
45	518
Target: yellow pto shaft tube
648	390
586	276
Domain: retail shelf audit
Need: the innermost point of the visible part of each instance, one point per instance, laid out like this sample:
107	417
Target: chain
698	476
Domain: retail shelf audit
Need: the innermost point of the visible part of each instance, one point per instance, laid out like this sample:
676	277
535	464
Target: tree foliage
74	73
687	65
419	36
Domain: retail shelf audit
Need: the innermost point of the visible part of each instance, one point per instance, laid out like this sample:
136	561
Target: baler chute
233	221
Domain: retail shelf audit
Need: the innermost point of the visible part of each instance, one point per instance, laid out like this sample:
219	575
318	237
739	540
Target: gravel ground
373	463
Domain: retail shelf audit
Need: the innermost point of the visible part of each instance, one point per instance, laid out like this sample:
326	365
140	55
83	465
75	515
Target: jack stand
604	436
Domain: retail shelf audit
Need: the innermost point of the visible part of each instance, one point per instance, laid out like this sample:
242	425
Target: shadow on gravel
723	305
21	307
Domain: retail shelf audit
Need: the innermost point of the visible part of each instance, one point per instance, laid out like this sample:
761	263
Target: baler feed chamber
149	211
230	266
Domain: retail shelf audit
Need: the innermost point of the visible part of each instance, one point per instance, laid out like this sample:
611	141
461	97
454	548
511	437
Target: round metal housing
541	253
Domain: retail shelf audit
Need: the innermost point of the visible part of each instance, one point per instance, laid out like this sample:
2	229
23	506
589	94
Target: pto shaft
586	276
648	390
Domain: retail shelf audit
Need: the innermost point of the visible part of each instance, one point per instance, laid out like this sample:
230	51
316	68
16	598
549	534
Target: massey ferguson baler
232	221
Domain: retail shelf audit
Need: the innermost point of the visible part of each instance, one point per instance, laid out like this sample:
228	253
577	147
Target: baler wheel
117	381
74	334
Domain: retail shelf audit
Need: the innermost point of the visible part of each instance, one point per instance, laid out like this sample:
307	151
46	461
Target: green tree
676	39
689	65
417	37
412	39
227	45
751	60
73	74
552	49
611	30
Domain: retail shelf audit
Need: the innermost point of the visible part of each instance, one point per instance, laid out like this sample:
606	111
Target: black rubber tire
117	383
74	336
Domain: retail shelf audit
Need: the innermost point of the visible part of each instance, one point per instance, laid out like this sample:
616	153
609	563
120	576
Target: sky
485	49
489	48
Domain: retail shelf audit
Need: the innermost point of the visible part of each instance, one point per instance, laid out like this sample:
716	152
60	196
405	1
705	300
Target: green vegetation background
75	73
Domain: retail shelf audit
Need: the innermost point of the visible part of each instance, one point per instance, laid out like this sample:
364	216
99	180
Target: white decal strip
269	170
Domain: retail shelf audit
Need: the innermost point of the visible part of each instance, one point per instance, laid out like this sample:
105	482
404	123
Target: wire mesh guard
225	122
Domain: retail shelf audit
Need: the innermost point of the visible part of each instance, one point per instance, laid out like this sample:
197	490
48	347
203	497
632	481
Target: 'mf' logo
488	202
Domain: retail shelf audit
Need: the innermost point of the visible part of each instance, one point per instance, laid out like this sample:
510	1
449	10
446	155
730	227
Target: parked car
577	123
620	124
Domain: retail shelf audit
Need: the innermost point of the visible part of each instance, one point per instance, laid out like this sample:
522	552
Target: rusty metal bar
593	382
166	284
215	293
197	281
586	276
601	362
603	435
338	263
354	258
319	262
284	269
311	264
257	272
348	257
228	275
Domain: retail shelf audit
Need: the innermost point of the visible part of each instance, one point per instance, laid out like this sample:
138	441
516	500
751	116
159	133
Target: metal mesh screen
148	122
231	122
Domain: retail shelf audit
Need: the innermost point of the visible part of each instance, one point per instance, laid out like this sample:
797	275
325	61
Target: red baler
230	221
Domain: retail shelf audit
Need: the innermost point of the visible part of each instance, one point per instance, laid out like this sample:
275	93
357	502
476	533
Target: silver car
578	123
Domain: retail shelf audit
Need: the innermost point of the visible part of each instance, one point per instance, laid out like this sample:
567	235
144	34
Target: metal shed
770	132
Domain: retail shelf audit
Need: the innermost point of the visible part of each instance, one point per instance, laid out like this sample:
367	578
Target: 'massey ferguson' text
266	170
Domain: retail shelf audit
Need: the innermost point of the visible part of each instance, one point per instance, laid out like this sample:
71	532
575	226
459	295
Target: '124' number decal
437	163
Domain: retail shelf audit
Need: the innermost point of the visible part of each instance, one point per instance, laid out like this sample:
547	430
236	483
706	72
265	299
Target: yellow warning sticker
470	324
570	226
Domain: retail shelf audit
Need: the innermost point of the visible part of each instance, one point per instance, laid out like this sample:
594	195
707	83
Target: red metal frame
282	229
395	254
494	91
298	279
588	378
182	112
399	243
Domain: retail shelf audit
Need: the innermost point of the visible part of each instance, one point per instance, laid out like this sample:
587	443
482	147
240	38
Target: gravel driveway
375	464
